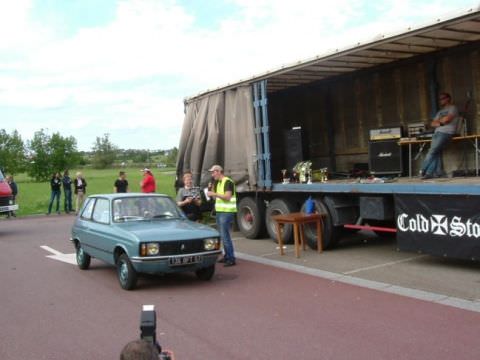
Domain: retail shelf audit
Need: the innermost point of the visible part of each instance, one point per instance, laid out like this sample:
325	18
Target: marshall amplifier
386	133
385	157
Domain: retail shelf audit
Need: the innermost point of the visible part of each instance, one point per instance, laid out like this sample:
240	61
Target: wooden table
298	220
410	142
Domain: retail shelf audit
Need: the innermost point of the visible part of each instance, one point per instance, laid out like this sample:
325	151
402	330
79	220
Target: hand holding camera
148	331
147	346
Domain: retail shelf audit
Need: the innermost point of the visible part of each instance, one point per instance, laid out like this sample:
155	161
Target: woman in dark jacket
55	185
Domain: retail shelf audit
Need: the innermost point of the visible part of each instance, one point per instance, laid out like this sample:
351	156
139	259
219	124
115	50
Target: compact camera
148	330
193	192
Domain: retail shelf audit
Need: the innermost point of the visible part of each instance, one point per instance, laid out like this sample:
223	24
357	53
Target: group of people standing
57	182
79	185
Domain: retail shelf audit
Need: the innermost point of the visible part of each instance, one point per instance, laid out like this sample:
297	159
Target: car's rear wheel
206	274
127	276
83	259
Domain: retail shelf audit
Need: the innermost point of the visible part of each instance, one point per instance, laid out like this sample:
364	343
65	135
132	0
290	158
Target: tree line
46	154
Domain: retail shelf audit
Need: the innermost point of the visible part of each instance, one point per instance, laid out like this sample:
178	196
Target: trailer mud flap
441	225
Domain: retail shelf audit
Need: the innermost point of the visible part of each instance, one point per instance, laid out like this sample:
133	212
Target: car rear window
101	211
88	209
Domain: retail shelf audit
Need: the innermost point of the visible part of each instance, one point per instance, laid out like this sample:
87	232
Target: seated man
188	198
445	124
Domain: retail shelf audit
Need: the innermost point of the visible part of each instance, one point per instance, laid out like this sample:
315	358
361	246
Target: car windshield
144	208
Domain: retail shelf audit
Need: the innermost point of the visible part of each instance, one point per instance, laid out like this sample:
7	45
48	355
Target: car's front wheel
206	274
83	259
127	276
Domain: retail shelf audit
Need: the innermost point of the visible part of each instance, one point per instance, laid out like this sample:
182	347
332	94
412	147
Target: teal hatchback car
143	233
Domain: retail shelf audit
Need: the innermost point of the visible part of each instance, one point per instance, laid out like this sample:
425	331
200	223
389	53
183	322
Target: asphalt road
52	310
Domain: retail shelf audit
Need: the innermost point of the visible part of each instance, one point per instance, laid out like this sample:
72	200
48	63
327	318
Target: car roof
127	195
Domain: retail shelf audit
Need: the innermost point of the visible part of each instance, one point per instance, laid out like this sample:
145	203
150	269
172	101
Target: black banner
441	225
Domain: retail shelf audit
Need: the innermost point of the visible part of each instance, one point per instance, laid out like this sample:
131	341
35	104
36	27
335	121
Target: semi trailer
362	113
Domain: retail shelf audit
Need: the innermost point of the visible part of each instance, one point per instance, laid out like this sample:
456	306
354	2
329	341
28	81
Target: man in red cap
148	182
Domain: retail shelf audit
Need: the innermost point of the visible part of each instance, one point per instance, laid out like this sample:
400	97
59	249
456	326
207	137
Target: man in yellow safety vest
225	197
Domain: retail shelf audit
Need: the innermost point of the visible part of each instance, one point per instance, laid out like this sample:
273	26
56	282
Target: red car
6	199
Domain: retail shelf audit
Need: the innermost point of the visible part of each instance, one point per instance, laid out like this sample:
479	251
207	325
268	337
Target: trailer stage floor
400	185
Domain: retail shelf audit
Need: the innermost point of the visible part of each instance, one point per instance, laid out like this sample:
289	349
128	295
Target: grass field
33	197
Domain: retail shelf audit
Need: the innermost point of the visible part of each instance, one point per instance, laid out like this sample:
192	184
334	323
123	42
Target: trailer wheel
331	233
279	207
251	217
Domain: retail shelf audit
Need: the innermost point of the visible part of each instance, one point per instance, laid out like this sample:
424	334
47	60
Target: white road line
66	258
49	249
383	265
375	285
57	255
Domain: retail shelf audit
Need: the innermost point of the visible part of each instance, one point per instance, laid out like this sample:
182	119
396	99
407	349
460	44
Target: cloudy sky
123	67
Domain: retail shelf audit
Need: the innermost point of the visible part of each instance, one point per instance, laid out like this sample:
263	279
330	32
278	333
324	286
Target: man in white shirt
445	124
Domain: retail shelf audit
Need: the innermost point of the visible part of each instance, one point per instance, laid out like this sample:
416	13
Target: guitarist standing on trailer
445	124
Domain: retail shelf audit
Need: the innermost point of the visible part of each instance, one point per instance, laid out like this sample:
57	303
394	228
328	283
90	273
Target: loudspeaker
385	157
294	147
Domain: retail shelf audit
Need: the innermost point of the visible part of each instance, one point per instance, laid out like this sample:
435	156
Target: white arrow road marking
57	255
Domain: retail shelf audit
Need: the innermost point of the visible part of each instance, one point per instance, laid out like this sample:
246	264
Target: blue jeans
53	195
67	200
432	165
224	222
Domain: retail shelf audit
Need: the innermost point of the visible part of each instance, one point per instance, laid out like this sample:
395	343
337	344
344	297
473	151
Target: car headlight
211	244
149	249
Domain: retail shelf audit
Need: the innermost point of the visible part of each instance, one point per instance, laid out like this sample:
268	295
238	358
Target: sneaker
221	260
426	177
229	263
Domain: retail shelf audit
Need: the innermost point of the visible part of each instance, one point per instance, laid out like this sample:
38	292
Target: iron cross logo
439	224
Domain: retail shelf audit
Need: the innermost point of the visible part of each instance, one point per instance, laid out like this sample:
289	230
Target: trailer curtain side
219	129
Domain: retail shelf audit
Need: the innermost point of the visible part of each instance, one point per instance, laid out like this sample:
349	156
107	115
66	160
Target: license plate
185	260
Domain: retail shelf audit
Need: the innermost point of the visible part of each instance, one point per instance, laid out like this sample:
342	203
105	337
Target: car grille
181	247
5	200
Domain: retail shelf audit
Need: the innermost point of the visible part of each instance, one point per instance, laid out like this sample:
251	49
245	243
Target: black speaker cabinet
385	157
294	147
